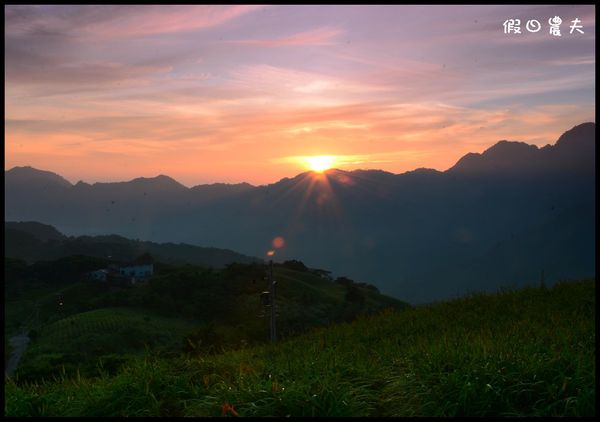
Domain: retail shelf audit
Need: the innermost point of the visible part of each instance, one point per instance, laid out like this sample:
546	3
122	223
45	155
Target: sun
320	163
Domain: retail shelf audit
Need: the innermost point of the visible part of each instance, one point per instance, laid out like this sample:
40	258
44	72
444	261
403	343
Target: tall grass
521	353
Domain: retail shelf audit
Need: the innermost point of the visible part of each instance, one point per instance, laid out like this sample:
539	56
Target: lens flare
278	242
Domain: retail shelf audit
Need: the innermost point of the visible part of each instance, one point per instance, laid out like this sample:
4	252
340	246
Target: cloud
110	22
573	61
320	36
400	87
87	47
394	137
283	85
88	75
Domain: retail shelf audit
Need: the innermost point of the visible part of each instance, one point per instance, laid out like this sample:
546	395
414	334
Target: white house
137	270
140	269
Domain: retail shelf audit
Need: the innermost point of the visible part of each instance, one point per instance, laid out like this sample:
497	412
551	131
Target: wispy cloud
89	75
109	22
222	92
320	36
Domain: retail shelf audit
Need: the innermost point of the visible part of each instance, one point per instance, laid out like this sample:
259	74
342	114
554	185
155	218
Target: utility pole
272	288
542	281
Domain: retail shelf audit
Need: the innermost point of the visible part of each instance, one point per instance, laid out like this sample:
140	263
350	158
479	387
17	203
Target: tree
354	295
344	281
323	274
145	258
296	265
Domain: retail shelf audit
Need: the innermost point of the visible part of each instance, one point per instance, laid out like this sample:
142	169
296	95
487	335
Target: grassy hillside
98	337
522	353
133	326
231	298
72	324
38	304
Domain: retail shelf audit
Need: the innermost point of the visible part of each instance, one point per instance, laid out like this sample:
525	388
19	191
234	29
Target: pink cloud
320	36
393	88
170	19
110	22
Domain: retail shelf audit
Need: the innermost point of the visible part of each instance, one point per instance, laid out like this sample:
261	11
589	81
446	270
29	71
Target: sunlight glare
320	163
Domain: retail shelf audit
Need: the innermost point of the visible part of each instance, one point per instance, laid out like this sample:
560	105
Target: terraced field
147	328
109	333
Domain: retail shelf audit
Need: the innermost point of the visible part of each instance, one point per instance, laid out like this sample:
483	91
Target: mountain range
500	218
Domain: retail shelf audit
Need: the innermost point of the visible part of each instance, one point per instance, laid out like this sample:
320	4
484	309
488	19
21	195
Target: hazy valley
419	236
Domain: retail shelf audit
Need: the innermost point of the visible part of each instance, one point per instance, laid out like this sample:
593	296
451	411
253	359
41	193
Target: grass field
523	353
40	305
133	328
110	332
19	314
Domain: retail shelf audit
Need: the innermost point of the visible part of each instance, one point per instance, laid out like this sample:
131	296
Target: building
140	269
137	270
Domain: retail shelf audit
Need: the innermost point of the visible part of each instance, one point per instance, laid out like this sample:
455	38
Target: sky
245	93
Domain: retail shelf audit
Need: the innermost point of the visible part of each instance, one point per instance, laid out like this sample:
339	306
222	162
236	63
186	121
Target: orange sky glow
233	94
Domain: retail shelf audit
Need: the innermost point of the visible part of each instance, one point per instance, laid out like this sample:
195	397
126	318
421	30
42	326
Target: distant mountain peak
502	155
28	174
40	231
504	144
221	185
160	180
578	134
513	156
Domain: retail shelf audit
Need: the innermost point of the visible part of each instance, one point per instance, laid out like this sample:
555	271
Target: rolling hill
74	323
32	241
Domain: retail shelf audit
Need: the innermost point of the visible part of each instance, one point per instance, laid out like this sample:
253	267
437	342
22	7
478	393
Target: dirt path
19	345
20	341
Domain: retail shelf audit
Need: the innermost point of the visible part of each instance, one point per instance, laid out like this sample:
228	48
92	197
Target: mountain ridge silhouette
392	230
